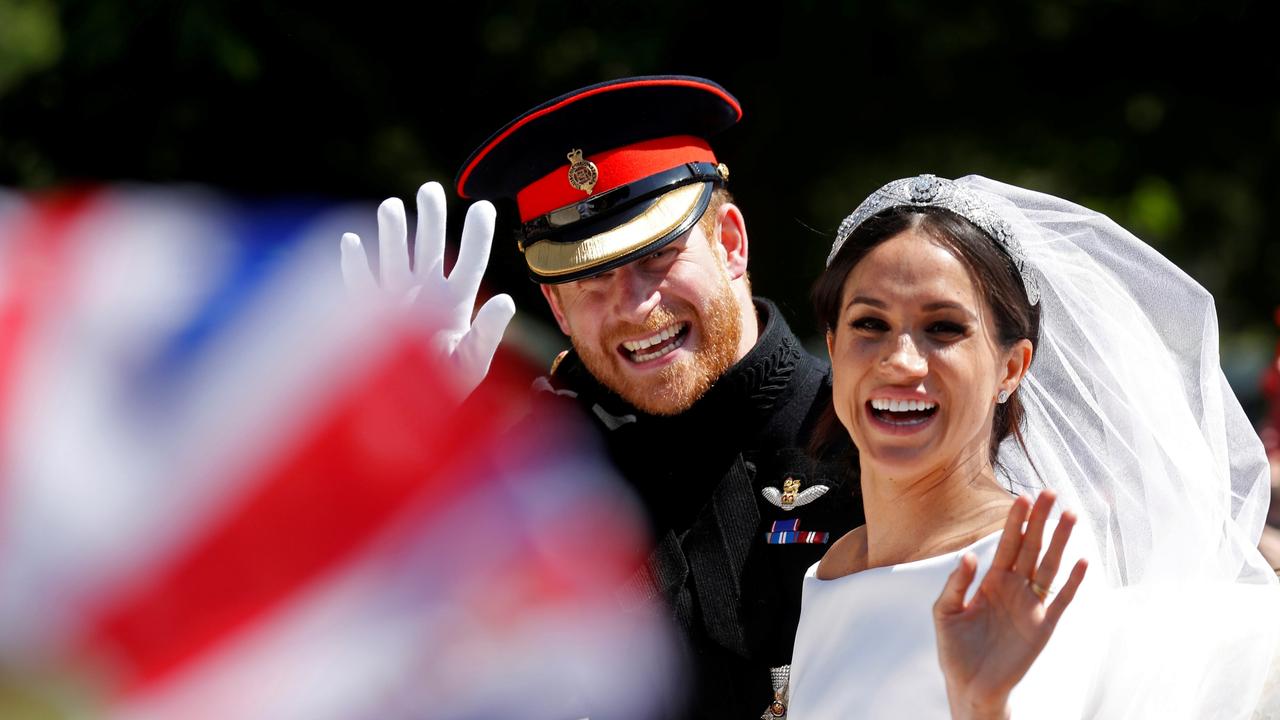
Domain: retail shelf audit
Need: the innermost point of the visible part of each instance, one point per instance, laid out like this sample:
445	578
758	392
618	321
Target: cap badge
790	497
583	174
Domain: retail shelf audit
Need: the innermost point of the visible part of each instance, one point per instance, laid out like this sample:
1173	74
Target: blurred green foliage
30	39
1163	115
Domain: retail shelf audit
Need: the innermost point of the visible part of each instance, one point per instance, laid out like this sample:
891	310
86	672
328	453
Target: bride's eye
869	324
948	329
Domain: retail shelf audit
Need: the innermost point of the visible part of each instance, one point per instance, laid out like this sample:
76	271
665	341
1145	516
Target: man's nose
636	294
905	358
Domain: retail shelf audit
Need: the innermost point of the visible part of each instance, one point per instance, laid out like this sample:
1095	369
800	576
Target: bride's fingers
1048	569
951	601
1029	554
1011	538
1068	591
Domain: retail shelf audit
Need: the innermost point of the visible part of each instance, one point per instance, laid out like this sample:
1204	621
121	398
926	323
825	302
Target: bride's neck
910	517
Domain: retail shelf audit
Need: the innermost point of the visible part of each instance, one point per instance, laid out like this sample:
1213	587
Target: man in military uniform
704	397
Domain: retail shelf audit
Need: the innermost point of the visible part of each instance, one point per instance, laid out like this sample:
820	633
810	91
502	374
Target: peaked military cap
605	174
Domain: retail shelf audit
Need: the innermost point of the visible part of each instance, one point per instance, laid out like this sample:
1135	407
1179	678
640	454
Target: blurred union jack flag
227	491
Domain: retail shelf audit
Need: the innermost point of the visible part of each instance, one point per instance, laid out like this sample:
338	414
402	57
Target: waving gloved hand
467	346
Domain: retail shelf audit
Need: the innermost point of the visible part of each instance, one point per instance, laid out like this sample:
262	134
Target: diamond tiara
932	191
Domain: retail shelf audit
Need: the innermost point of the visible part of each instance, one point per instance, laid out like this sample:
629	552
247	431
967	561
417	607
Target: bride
989	342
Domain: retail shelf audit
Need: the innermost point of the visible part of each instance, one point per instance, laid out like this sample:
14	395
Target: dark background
1165	116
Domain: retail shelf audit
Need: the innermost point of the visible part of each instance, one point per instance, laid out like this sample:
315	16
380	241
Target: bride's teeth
901	405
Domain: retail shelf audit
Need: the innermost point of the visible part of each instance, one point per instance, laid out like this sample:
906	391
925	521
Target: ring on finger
1041	591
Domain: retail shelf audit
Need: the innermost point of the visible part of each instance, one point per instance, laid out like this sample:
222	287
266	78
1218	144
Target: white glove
466	346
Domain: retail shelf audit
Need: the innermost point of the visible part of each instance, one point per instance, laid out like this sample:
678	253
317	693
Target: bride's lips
897	414
649	349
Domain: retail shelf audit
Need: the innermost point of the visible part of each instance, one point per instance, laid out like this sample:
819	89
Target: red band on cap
617	167
611	87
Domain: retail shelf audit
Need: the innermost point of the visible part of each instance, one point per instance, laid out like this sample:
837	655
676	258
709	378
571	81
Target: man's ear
731	235
552	294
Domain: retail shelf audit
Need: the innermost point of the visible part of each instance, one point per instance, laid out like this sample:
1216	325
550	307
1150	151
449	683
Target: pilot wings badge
790	497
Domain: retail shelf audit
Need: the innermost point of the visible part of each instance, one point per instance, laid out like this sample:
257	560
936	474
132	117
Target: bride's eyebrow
866	300
945	305
927	307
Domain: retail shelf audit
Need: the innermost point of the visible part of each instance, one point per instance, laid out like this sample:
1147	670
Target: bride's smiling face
915	359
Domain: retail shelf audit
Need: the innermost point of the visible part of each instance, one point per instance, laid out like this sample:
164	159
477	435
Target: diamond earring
1002	397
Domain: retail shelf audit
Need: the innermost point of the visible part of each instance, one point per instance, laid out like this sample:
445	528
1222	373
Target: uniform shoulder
559	377
555	364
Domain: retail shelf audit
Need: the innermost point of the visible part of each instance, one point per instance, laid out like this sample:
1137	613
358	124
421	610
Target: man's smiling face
658	331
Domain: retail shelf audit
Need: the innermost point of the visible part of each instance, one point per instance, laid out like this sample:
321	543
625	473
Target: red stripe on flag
381	446
35	278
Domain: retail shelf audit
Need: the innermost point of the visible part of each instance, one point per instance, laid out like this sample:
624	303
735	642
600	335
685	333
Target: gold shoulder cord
556	363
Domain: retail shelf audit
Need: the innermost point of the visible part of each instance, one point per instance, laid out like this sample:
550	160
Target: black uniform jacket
724	560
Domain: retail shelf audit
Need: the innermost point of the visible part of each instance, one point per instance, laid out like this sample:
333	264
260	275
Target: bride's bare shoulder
846	556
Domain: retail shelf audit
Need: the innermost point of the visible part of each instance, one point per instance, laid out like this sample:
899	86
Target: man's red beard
674	388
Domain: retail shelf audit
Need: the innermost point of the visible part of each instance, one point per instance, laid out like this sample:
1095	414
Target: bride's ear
1017	362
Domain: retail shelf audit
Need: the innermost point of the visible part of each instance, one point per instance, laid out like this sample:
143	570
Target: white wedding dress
866	648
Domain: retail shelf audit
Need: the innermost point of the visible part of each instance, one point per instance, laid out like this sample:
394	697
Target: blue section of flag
791	525
264	238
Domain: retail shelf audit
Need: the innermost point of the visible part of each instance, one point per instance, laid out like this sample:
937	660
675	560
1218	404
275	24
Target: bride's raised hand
985	646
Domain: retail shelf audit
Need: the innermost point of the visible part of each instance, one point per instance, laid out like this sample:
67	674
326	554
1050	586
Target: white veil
1130	419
